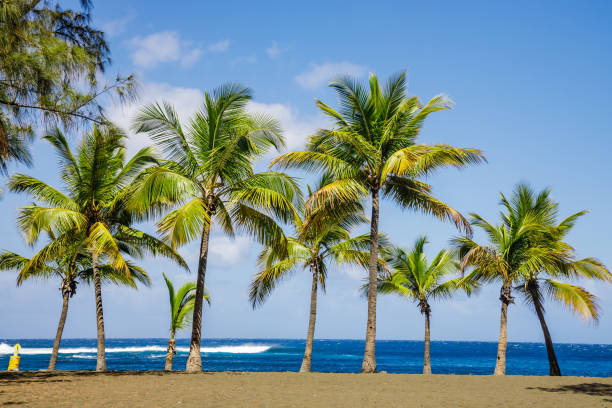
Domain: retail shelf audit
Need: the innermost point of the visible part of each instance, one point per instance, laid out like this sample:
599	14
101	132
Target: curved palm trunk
194	361
502	344
307	360
369	356
101	354
550	349
426	356
60	330
171	351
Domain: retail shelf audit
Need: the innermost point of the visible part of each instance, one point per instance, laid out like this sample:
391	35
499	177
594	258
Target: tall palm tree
418	280
181	305
210	173
525	245
542	283
372	150
71	264
97	182
313	247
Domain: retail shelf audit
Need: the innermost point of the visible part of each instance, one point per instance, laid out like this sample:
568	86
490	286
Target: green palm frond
575	298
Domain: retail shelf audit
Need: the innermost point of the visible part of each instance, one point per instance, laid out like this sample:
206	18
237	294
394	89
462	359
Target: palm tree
526	244
314	245
542	283
210	174
70	265
373	150
181	305
97	182
418	280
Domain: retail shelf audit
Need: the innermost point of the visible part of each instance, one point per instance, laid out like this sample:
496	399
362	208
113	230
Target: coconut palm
525	246
312	248
371	151
210	174
181	305
97	183
540	284
71	265
418	280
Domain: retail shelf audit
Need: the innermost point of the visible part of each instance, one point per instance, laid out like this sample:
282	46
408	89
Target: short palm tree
97	183
525	246
414	278
210	173
372	150
312	248
69	262
181	305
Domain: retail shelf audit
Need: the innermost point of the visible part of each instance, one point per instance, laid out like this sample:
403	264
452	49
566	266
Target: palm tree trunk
369	355
426	356
170	355
60	330
550	349
194	361
307	360
502	344
101	355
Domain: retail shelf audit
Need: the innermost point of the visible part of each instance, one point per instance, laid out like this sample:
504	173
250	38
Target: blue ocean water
393	356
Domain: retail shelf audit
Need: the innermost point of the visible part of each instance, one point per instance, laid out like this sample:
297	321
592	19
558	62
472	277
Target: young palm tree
70	264
418	280
526	244
97	182
210	174
371	151
181	305
312	248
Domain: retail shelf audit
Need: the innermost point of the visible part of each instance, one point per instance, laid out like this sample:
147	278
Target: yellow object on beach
14	360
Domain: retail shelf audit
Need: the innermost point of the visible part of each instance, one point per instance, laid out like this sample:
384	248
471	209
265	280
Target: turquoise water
393	356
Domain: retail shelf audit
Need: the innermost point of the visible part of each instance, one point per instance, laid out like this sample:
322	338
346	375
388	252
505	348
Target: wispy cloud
319	75
164	46
112	28
220	46
246	59
274	51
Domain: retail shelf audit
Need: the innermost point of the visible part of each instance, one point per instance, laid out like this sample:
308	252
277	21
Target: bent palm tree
543	283
71	263
525	245
312	248
373	150
181	305
418	280
210	173
97	181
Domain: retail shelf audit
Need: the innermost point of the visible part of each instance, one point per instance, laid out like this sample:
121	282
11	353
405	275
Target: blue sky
532	85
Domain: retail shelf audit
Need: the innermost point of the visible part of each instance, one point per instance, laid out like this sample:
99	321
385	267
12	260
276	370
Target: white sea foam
241	349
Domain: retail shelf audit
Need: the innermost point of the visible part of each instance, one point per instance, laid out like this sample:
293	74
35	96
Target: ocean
392	356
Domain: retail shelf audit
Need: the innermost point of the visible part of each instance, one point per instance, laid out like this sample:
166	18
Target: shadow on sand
595	389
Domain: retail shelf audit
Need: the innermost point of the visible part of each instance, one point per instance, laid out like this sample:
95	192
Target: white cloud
296	127
164	46
115	27
186	102
191	57
227	251
274	51
249	59
219	46
318	75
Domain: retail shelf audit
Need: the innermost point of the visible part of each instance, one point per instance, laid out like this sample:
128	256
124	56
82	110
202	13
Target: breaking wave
241	349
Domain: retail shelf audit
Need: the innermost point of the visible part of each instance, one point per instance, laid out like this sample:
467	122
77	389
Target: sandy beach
158	389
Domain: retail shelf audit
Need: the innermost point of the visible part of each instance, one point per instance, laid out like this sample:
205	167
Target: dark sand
157	389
